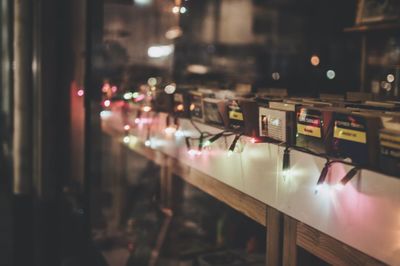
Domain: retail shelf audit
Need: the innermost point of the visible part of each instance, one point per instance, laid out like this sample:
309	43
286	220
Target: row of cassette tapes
355	126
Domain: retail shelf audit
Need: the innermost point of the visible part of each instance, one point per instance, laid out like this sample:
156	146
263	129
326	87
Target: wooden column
274	237
289	241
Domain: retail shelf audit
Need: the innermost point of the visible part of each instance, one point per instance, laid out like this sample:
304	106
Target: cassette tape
181	99
243	116
355	136
313	129
277	121
215	112
389	147
196	107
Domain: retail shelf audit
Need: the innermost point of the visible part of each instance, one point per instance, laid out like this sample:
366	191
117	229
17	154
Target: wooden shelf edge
329	249
236	199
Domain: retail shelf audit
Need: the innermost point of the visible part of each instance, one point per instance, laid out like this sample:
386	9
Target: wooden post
289	241
274	237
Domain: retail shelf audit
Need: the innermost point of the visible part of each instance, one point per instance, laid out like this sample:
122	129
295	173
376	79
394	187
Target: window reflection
300	45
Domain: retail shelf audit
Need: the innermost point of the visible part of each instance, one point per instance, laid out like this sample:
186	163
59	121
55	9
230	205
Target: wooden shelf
295	234
284	234
373	27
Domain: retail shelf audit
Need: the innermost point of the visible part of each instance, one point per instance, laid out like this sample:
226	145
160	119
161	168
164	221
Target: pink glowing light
106	87
107	103
80	92
139	98
142	121
193	152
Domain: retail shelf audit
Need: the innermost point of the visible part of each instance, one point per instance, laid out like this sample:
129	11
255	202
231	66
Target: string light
179	133
128	95
127	127
146	108
126	139
107	103
233	145
147	143
170	130
170	88
286	163
201	141
213	139
322	176
347	178
80	92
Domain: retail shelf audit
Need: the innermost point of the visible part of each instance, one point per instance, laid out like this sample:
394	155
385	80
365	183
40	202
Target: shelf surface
363	215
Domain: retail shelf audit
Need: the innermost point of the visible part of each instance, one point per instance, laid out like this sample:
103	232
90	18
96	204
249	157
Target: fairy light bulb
126	139
170	130
213	139
146	109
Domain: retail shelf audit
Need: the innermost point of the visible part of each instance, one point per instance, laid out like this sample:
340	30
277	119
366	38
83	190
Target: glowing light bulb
192	152
192	106
126	139
318	188
253	140
128	95
107	103
179	107
175	9
146	109
207	143
390	78
339	186
105	114
179	133
147	143
114	89
105	87
170	130
152	81
127	127
286	173
170	89
183	10
135	95
80	92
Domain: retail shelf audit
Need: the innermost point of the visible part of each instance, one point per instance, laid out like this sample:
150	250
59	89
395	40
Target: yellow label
389	137
309	130
349	134
390	145
236	115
